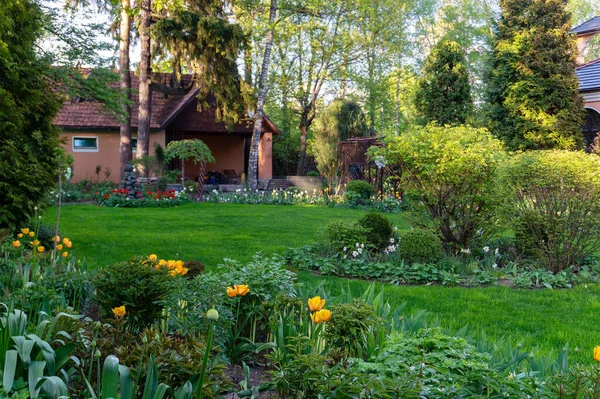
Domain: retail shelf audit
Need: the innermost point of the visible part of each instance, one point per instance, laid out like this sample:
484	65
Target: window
134	144
85	144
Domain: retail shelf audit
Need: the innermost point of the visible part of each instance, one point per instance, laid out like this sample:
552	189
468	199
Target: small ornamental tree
532	90
444	91
555	205
194	150
452	170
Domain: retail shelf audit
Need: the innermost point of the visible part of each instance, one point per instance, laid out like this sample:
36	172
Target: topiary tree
555	203
444	92
452	170
29	143
533	99
341	120
194	150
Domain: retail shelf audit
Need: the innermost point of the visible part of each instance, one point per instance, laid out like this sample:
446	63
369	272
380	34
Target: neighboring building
589	78
92	135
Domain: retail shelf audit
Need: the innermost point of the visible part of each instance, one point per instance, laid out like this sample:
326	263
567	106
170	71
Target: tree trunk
125	80
260	103
143	144
304	124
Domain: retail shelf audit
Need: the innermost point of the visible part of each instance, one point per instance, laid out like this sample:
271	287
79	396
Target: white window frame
86	149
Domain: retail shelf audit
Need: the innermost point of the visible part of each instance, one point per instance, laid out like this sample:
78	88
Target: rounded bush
195	267
358	191
379	229
138	285
420	246
345	234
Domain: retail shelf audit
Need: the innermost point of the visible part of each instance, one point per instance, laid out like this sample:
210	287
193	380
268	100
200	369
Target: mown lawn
546	319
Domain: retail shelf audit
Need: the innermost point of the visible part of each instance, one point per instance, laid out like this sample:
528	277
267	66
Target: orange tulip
40	249
20	235
320	316
69	244
56	239
16	243
31	234
119	311
242	289
597	353
35	243
59	247
65	254
316	303
25	231
231	292
65	240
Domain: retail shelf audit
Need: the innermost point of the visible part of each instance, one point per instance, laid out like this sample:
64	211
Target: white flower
486	249
392	240
360	250
357	245
494	265
497	251
395	228
465	251
354	254
345	249
361	245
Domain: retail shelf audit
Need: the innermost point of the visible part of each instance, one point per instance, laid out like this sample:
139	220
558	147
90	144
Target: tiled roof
93	115
590	26
589	76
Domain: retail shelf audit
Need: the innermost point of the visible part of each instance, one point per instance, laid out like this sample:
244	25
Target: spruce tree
29	143
533	100
444	91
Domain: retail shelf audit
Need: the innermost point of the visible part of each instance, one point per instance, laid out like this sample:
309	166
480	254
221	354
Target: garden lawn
206	232
546	319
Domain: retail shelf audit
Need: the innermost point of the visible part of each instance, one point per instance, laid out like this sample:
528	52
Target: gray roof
590	26
589	76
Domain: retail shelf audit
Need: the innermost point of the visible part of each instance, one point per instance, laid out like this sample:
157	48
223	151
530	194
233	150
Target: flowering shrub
122	198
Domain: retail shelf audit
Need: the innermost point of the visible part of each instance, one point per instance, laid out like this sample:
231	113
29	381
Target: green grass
207	232
547	319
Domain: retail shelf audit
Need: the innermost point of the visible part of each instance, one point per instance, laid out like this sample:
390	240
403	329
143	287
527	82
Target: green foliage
191	150
29	144
379	229
452	170
138	285
555	193
359	192
343	234
444	93
343	119
354	330
533	99
420	246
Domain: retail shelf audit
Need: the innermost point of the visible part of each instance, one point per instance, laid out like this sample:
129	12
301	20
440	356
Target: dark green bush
351	327
138	285
527	228
379	228
195	267
420	246
358	192
345	234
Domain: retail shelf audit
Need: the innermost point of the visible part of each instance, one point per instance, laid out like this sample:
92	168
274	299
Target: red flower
149	192
106	196
139	193
120	190
125	191
172	195
96	192
113	191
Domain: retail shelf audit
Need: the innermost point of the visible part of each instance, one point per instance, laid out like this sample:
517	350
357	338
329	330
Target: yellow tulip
120	311
65	240
35	243
69	244
242	289
20	235
320	316
597	353
25	231
31	234
40	249
59	247
56	239
65	254
153	258
316	303
231	292
16	243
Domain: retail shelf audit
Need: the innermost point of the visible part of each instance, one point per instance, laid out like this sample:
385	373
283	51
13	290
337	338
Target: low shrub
420	246
555	202
137	284
342	234
379	229
358	192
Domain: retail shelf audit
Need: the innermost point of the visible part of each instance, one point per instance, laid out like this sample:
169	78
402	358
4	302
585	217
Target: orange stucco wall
228	151
593	104
107	155
265	156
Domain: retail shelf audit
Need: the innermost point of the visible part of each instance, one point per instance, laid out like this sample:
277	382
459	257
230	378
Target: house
91	135
589	78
